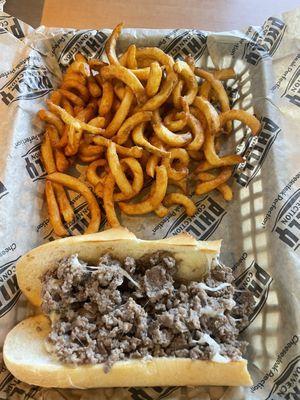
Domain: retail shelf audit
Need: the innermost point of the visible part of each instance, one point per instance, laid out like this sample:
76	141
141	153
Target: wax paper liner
260	227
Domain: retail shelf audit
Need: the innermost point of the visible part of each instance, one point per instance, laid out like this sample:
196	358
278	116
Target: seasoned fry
180	169
47	155
217	86
210	113
224	189
111	43
78	87
154	79
55	97
242	116
141	119
222	74
52	132
78	186
52	119
197	132
165	135
53	211
90	149
138	178
224	161
155	198
98	122
93	87
74	76
206	187
116	169
182	184
107	98
131	57
76	123
156	54
108	201
130	124
120	114
177	93
126	76
74	99
166	89
134	151
176	121
63	203
184	70
179	198
140	140
66	105
161	211
80	67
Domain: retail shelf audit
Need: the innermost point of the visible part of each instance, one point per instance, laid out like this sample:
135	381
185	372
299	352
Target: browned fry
153	200
52	119
131	59
73	85
80	67
92	175
75	76
66	105
111	43
154	80
74	99
63	203
134	151
179	170
224	189
79	187
90	149
96	65
120	114
179	198
53	211
206	187
222	74
107	98
93	87
61	162
55	97
47	155
108	201
53	135
224	161
129	124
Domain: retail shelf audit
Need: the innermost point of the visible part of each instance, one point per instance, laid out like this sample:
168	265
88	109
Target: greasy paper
260	227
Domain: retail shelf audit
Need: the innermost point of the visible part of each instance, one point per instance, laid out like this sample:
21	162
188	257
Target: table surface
216	15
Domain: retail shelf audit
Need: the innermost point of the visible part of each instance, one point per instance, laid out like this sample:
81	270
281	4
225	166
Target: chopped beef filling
135	309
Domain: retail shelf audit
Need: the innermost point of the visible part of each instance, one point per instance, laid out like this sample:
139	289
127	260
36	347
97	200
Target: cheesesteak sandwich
119	311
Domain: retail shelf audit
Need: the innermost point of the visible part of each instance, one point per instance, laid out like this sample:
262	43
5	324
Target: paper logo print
180	43
287	223
265	43
33	163
203	224
3	190
287	385
89	43
258	282
12	25
9	289
256	152
27	82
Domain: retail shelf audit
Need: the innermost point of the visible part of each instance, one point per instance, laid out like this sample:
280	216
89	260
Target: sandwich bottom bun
26	357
